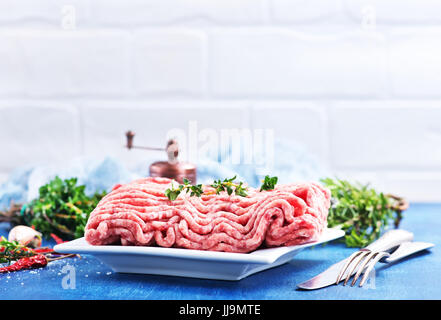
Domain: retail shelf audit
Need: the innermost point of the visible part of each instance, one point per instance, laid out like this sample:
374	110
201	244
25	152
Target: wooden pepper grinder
171	168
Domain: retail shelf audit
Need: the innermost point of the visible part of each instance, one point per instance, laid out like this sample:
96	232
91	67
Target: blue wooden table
87	278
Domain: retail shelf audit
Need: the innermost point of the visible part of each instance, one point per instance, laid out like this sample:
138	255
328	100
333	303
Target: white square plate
190	263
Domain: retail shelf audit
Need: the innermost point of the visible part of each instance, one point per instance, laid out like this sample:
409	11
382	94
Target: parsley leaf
269	183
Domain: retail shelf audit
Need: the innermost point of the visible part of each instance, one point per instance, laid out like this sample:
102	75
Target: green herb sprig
269	183
196	190
12	250
227	185
362	212
62	208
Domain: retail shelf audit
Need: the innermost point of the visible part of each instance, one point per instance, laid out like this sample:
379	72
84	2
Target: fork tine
371	265
362	267
345	267
359	260
342	271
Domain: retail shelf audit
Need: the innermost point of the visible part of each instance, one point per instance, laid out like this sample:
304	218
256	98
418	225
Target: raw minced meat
139	213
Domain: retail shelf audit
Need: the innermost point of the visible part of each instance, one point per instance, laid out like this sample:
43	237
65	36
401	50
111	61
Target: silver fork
370	255
365	260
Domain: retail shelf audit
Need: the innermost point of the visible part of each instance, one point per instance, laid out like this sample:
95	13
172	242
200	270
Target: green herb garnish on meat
269	183
173	192
228	185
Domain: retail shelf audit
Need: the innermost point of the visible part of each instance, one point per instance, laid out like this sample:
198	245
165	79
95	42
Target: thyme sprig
228	185
173	192
362	212
269	183
62	208
12	250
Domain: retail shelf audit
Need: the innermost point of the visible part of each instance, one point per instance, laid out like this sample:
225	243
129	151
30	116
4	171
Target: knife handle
407	249
390	240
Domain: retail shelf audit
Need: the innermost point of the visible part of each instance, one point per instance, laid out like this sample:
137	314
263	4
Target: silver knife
388	241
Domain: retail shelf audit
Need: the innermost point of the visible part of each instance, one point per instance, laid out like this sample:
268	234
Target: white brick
364	177
274	62
396	11
415	62
106	122
304	11
300	122
41	12
386	134
148	12
42	63
37	133
420	186
169	62
415	186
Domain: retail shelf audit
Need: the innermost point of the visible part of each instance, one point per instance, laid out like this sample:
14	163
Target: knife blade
388	241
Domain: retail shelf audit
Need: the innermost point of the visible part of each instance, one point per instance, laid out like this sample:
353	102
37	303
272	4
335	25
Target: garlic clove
25	236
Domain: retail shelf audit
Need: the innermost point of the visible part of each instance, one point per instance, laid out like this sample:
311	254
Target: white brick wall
55	63
386	134
393	12
131	13
42	13
279	62
358	82
105	124
308	12
37	132
295	120
169	62
415	65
